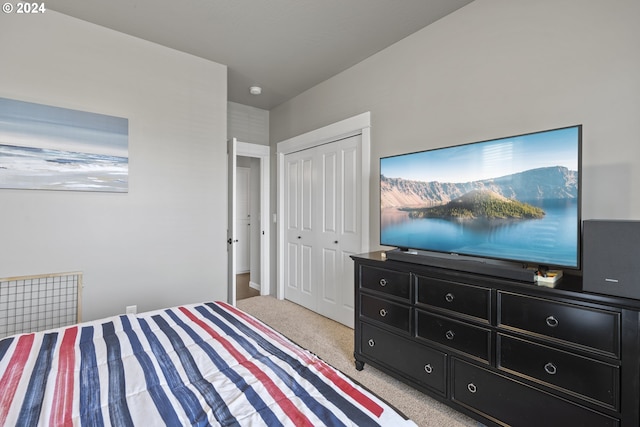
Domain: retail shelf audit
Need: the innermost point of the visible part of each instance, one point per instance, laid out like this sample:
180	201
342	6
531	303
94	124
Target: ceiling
283	46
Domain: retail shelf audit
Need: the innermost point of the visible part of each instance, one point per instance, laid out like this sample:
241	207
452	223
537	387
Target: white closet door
299	228
339	230
322	194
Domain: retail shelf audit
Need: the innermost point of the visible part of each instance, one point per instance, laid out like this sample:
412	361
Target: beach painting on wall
51	148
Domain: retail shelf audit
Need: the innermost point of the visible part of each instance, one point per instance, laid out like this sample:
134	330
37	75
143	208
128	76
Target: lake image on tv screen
515	198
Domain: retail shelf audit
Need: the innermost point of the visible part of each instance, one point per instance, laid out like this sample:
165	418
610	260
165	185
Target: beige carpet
333	342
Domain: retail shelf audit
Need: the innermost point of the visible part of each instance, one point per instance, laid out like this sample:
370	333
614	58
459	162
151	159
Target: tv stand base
468	265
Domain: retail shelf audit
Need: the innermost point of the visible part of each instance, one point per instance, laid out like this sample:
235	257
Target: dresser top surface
569	286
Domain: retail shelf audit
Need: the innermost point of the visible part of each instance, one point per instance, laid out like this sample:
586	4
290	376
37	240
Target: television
514	200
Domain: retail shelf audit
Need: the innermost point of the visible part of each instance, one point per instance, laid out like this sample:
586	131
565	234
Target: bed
201	364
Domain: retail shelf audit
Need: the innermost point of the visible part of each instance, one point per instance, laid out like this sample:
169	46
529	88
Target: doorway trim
356	125
261	152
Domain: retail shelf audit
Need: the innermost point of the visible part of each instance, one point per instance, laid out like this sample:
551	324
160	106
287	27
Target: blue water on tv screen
515	199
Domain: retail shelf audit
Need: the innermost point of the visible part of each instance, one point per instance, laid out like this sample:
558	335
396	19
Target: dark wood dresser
501	351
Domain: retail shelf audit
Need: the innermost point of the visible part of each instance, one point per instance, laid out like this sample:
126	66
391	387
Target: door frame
239	190
262	152
356	125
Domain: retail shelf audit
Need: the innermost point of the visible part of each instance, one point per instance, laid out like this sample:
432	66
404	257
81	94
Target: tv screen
514	199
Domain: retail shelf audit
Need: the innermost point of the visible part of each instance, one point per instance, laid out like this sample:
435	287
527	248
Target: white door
243	219
299	220
339	230
322	209
231	220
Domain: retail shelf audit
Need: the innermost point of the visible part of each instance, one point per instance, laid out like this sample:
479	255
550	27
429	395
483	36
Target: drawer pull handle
550	368
383	282
371	342
383	312
428	368
450	335
552	322
472	387
449	297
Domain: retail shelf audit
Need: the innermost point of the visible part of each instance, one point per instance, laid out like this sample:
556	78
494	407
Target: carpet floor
333	342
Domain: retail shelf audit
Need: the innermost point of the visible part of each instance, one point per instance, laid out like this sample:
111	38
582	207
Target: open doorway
248	229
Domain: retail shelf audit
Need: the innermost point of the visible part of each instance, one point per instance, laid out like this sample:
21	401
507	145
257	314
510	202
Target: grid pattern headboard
36	303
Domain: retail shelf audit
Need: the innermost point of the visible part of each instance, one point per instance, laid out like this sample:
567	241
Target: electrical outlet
131	309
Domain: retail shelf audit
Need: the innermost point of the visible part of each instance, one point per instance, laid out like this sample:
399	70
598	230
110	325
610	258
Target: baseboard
254	285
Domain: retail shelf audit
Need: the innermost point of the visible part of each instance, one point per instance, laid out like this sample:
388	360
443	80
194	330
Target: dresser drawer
514	403
466	338
387	312
595	380
590	328
417	362
390	282
456	297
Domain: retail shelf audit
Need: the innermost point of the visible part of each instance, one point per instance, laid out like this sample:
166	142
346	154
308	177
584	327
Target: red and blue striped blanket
202	364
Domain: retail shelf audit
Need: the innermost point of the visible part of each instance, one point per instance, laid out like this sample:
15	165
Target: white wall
163	242
497	68
247	124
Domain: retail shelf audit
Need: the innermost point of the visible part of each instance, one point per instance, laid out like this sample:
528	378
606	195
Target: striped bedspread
201	364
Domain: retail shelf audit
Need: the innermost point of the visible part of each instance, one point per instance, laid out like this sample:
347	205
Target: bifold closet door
323	186
339	229
299	222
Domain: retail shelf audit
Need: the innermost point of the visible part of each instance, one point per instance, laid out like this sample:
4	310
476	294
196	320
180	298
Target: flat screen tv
514	199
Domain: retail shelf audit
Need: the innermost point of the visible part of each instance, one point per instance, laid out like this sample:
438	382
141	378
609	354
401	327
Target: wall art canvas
51	148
